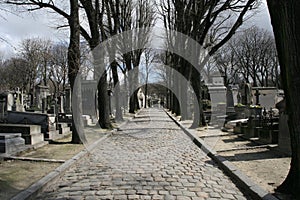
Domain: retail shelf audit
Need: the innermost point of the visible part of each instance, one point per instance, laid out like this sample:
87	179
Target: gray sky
14	28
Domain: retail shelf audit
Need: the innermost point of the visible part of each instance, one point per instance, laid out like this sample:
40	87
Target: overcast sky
14	28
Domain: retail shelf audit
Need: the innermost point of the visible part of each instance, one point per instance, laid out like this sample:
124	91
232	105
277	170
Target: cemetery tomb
267	96
63	128
29	118
31	133
11	143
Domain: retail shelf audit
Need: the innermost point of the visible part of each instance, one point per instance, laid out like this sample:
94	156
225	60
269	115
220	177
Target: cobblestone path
150	158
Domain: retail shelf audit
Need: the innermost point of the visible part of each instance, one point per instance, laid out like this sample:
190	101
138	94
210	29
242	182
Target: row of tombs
31	121
254	113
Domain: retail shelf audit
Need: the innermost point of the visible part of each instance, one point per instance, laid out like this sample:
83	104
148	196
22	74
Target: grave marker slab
11	143
31	133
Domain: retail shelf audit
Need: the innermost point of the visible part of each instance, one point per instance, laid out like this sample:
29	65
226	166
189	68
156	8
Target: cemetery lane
149	158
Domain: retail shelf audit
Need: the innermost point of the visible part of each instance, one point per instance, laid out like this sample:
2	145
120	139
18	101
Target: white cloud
16	27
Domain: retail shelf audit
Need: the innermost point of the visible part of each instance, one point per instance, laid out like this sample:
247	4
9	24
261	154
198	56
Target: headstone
217	96
41	97
10	101
6	104
245	94
229	97
217	92
61	104
89	97
284	140
235	92
19	101
68	100
3	107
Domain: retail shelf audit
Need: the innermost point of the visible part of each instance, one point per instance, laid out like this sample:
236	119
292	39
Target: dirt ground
263	164
16	175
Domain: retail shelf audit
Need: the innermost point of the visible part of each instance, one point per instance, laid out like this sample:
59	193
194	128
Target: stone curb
255	191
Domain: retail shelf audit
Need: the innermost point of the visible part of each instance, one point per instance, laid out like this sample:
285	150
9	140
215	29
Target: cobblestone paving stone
151	158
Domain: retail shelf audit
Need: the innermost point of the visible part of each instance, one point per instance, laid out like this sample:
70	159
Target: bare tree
58	70
210	23
94	34
253	56
31	51
143	21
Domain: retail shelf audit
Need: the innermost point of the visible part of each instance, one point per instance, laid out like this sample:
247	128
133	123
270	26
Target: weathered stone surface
11	143
31	133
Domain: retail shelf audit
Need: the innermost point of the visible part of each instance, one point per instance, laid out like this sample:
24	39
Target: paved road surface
150	158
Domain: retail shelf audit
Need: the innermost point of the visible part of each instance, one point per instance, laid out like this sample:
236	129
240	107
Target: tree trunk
146	93
114	67
133	102
199	119
286	26
133	83
175	97
103	99
74	63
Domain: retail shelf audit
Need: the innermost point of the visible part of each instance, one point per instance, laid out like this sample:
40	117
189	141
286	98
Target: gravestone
229	97
19	99
6	104
245	93
41	97
89	92
3	107
235	91
217	92
284	140
61	104
68	100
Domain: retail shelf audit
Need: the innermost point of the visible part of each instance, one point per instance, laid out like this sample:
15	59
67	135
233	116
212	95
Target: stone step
87	120
52	135
20	128
64	131
11	143
31	133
